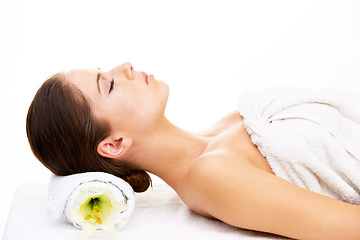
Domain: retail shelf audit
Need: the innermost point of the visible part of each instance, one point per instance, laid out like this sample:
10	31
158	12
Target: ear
111	148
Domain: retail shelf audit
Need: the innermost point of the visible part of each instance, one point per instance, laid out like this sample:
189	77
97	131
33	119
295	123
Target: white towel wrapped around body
64	193
309	137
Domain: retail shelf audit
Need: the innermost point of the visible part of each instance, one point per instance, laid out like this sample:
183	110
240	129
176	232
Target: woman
114	122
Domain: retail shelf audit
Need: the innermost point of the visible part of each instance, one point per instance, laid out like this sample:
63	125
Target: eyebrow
97	81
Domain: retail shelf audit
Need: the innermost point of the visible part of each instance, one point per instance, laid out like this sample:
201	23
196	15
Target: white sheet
159	214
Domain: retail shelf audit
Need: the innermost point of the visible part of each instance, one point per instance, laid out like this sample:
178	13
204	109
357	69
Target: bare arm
247	197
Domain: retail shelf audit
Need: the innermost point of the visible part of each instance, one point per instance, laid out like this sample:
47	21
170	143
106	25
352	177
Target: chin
165	95
165	89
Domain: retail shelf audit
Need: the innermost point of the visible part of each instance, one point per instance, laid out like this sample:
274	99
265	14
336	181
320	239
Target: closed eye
111	85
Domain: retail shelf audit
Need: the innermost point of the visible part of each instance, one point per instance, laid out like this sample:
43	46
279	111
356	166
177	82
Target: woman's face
131	101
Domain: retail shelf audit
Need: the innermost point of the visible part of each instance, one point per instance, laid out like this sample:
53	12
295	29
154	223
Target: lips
147	78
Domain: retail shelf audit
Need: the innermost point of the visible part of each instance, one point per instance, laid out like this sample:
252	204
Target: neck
168	152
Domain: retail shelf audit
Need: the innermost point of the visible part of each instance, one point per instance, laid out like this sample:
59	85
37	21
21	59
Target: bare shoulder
236	192
213	166
209	178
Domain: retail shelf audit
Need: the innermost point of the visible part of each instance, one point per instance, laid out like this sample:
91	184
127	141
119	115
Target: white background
209	52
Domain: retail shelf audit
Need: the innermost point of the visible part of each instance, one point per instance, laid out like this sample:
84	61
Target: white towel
309	137
64	190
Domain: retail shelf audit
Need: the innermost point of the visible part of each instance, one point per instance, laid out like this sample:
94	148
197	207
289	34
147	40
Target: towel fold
309	137
64	194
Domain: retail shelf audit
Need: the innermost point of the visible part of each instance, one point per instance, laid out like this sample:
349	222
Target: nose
125	68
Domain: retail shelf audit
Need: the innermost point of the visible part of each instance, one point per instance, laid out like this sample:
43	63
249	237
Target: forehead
80	76
85	80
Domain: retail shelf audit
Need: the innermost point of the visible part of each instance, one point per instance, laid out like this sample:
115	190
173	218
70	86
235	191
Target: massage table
159	214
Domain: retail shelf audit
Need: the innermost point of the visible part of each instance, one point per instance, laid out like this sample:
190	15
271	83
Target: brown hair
63	134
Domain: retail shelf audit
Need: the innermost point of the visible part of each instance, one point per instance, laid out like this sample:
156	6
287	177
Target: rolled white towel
66	194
